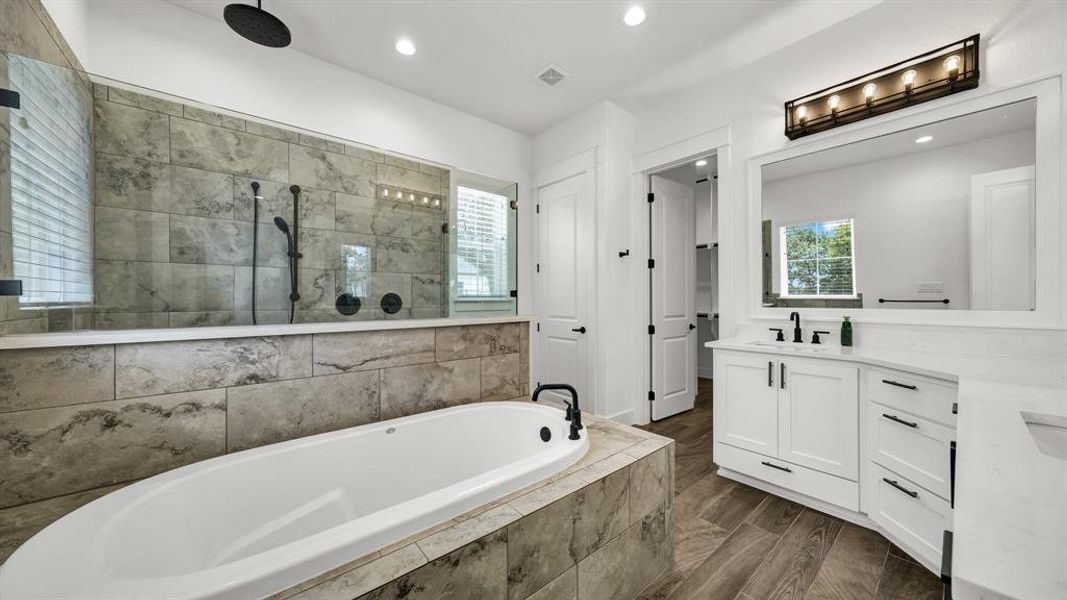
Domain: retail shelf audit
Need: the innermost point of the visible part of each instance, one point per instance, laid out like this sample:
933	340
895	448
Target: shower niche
123	208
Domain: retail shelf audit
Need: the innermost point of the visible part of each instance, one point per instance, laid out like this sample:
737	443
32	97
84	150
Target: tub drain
546	434
390	430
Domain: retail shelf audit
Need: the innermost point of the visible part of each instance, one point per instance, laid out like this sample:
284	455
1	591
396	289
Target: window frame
783	274
481	306
508	258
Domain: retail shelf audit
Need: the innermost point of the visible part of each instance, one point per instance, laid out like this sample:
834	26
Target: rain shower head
255	24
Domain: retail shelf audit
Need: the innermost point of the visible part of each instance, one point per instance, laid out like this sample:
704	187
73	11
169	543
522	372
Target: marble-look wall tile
198	288
132	287
153	103
214	148
365	350
163	367
456	536
330	171
213	118
502	377
627	564
648	485
129	131
46	377
476	571
206	319
20	523
426	289
553	539
410	178
55	451
404	255
421	388
321	144
316	206
271	131
214	241
137	320
317	289
372	216
426	223
370	287
366	577
131	235
477	340
24	34
273	412
433	170
122	182
564	587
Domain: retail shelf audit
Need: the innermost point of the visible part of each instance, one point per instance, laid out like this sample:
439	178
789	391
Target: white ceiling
482	56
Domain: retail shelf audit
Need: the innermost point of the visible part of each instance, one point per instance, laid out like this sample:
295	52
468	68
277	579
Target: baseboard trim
705	373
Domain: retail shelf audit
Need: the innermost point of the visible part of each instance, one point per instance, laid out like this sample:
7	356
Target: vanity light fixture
947	70
923	139
635	15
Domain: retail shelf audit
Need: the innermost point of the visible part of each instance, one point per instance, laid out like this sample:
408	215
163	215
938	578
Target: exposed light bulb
802	114
923	139
834	102
701	163
868	92
952	66
909	79
635	15
405	46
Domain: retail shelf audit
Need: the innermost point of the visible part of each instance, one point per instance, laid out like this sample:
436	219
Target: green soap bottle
846	332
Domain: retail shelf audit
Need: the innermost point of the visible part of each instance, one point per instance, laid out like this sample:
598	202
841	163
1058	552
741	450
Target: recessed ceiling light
924	139
635	15
702	163
405	46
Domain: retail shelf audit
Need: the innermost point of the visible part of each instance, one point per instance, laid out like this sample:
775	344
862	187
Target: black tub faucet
573	414
798	335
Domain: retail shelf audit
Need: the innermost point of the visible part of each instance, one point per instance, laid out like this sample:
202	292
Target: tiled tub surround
76	420
600	529
174	220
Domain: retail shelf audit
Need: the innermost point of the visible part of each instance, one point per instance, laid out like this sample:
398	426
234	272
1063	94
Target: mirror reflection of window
357	261
482	244
817	259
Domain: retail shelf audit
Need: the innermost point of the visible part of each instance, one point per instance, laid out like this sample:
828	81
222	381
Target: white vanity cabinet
802	424
802	412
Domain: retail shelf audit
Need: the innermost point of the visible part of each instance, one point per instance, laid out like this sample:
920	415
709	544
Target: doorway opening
683	253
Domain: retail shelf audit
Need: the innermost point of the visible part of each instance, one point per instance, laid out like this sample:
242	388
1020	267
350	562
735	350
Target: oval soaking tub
257	522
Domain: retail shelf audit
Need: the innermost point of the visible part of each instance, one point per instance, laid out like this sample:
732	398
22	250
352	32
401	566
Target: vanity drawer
809	482
918	395
912	446
909	512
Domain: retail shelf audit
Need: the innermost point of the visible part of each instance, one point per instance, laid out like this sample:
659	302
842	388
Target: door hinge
444	227
651	263
538	209
538	267
514	293
651	395
651	330
9	98
651	197
539	327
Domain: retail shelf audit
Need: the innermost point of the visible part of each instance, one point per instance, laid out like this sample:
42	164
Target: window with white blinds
51	214
481	245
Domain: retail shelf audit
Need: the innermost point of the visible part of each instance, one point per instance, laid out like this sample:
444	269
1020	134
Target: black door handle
579	330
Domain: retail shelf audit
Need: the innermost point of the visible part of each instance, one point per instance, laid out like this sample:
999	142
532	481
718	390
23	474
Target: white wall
910	214
1021	41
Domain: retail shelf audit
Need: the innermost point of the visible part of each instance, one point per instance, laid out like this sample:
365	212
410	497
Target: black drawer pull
900	487
780	468
906	386
897	419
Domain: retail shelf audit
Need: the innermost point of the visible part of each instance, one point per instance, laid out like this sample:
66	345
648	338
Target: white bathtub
256	522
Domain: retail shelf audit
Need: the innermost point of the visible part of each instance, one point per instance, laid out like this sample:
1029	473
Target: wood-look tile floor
734	542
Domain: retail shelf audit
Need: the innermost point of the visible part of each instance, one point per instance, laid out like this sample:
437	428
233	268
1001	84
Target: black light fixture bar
947	70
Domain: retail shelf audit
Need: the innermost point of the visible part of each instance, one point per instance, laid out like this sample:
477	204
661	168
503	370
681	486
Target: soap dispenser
846	332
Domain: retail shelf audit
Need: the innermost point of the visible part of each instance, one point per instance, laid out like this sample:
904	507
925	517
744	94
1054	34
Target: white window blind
817	259
481	245
50	176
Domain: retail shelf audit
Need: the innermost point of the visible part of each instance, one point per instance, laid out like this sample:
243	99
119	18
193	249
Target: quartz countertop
1010	518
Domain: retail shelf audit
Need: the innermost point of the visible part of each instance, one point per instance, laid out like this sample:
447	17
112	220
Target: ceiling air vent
552	75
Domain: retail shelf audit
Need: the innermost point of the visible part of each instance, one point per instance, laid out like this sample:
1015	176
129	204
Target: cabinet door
818	416
746	401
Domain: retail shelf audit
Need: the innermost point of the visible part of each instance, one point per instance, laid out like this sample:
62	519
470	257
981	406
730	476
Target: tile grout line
881	572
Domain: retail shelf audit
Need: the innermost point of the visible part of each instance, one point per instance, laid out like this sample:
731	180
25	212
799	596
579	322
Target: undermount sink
785	346
1049	433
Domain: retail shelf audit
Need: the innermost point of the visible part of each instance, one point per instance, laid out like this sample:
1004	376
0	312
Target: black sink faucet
573	414
798	335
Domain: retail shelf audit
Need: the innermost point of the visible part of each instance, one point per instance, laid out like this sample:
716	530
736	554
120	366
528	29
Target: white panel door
1002	240
674	356
818	416
745	399
563	273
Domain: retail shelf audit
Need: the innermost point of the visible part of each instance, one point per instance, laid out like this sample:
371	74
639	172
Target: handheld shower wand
292	250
